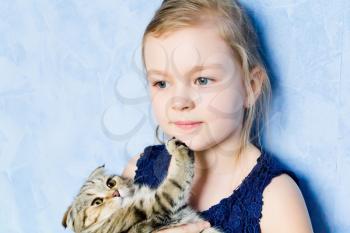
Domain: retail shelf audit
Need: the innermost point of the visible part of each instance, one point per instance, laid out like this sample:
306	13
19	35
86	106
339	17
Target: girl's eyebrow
193	70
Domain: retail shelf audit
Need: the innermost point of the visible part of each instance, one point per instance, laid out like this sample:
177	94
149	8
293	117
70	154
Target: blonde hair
237	31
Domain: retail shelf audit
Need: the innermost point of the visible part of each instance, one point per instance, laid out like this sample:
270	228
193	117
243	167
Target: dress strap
272	168
152	166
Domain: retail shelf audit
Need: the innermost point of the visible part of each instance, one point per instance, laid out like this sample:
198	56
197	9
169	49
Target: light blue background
72	96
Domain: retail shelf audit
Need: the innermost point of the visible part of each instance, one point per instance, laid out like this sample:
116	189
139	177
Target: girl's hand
187	228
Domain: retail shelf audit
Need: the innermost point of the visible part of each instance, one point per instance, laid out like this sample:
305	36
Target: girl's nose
182	103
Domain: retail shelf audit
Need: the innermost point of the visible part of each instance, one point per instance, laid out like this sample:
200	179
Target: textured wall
72	97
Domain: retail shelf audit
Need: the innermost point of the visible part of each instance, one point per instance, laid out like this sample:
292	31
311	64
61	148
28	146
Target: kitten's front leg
174	191
172	194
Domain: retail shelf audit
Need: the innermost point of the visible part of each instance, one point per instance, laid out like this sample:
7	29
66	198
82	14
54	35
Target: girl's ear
257	77
65	216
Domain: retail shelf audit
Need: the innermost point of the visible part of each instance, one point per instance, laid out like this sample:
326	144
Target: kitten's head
97	200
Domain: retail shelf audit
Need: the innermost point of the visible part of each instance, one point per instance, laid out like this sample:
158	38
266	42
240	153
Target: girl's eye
162	84
111	182
203	80
97	201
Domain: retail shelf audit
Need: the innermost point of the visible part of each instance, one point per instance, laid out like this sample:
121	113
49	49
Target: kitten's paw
176	147
173	145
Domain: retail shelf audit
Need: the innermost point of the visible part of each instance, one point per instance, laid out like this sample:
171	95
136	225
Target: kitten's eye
111	182
97	201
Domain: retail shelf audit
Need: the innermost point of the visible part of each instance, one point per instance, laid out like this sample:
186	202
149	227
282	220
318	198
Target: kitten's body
112	204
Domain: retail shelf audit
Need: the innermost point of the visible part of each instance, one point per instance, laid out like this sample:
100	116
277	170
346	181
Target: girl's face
193	76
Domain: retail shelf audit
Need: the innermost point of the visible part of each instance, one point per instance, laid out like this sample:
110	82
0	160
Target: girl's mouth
187	124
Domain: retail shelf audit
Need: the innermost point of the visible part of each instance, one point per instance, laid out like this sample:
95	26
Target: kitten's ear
97	171
65	216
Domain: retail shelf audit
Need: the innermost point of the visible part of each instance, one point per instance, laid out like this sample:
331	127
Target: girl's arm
284	209
130	168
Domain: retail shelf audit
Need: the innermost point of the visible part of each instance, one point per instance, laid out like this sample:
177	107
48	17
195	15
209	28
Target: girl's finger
188	228
195	227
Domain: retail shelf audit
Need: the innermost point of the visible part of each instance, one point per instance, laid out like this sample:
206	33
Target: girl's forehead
187	47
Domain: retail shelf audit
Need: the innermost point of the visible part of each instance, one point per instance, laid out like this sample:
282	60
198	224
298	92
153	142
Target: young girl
209	88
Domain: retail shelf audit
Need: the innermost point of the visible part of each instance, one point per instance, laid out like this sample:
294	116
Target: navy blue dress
238	213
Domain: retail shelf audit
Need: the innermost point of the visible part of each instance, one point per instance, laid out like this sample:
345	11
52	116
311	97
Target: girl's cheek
227	104
160	108
162	99
156	97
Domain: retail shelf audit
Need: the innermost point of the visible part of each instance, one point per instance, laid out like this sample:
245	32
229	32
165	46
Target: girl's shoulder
284	205
282	201
130	168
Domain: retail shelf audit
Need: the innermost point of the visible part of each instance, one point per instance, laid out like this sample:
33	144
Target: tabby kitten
112	204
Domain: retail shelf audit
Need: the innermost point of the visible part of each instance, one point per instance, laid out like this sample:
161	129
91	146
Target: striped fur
112	204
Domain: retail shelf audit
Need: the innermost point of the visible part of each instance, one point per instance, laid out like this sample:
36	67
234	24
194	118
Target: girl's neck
220	160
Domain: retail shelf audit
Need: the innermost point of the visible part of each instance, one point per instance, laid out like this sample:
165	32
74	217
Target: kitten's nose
115	194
